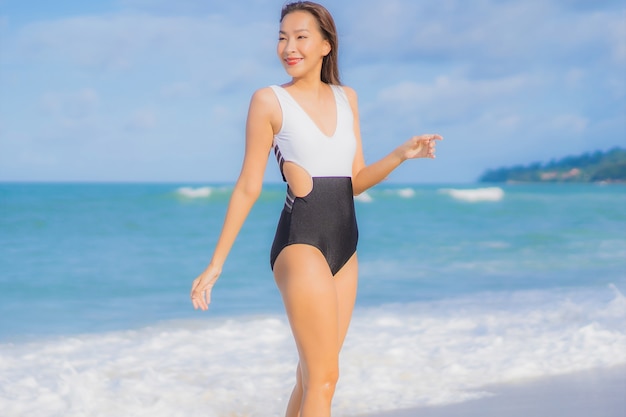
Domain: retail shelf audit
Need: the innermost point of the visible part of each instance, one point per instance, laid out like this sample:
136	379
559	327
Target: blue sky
141	90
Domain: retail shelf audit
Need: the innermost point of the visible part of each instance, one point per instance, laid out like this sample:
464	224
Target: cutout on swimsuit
298	179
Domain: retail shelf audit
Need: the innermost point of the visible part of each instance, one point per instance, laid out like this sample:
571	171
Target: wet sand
595	393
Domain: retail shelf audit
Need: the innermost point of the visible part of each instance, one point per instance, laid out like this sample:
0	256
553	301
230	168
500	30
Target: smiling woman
316	22
312	124
158	91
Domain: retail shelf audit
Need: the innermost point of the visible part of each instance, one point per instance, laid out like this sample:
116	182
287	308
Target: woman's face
301	46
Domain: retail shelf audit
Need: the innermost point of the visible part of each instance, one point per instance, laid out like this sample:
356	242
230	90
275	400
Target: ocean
461	286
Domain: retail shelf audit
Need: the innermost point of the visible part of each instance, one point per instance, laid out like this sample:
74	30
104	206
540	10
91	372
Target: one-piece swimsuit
325	217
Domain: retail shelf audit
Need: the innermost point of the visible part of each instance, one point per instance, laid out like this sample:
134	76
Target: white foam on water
475	194
190	192
406	192
395	356
364	197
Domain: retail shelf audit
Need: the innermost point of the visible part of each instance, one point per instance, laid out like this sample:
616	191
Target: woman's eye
301	37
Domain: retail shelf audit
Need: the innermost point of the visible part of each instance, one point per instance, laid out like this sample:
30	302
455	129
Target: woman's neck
309	85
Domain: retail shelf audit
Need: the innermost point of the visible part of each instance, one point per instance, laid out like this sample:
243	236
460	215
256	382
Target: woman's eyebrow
295	31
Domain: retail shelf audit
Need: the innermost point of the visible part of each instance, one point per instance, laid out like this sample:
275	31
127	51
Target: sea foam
395	356
406	192
190	192
364	197
475	194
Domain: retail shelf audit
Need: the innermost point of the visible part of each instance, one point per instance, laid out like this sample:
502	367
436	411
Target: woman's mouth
292	61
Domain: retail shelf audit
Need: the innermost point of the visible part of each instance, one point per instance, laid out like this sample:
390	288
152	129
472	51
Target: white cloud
618	32
199	45
569	123
78	104
177	89
246	10
69	114
142	119
617	87
574	77
450	98
502	122
452	89
490	36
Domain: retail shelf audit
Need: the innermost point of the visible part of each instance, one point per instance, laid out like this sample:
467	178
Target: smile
292	61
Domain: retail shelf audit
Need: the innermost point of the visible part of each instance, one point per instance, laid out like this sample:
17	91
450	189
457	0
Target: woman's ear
327	48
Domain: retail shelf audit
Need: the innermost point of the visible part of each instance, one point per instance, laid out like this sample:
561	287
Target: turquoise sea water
91	257
446	272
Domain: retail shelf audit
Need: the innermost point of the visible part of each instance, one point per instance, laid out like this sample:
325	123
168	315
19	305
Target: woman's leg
295	400
346	281
316	303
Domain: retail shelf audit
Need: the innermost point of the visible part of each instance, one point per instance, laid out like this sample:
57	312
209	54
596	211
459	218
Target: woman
312	125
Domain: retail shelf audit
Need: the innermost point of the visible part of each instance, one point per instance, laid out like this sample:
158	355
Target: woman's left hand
202	286
422	146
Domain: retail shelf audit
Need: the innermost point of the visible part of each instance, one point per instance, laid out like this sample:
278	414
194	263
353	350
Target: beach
598	393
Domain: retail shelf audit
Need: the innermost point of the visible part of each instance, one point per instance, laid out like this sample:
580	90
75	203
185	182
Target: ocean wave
190	192
364	197
475	194
412	355
406	192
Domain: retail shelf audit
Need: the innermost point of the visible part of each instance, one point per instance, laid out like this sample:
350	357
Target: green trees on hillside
608	166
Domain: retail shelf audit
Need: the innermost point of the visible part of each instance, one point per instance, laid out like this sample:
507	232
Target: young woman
312	124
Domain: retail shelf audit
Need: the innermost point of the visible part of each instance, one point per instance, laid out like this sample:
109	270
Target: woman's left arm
366	176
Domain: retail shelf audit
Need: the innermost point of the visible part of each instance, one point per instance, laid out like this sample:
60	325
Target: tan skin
318	305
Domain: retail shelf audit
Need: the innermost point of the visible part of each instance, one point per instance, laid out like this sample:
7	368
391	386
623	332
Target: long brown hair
330	65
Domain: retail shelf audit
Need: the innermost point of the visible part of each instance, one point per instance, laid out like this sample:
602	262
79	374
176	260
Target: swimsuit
324	218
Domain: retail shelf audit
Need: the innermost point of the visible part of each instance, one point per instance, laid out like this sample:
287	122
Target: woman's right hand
422	146
202	286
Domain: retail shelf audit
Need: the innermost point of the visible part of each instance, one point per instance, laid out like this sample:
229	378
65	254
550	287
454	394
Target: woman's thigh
311	302
346	281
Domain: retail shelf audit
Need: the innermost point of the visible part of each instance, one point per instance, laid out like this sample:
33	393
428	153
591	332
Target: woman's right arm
259	134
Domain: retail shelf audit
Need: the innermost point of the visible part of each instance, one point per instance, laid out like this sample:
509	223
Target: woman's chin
293	72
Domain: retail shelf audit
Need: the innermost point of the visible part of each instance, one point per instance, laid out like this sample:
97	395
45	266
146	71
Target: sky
158	90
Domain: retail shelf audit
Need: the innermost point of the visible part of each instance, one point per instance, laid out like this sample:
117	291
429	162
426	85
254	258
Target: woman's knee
298	377
322	380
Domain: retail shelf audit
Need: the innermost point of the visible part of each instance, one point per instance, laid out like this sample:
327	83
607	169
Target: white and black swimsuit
325	217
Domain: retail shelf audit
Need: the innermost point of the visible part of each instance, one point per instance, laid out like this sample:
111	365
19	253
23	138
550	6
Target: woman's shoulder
349	90
264	105
264	94
264	98
350	94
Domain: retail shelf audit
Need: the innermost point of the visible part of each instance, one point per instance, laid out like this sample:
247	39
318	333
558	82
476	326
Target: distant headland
608	166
